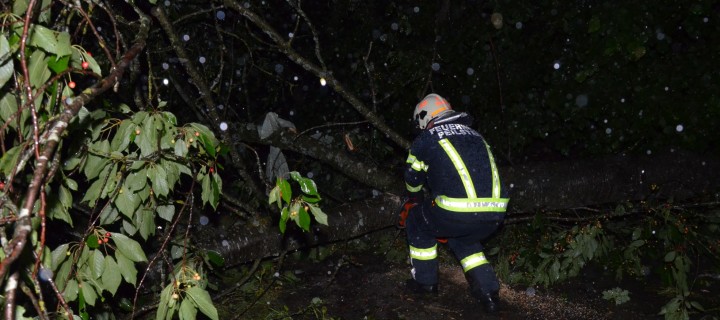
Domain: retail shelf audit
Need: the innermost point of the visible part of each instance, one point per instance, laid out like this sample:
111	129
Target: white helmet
431	107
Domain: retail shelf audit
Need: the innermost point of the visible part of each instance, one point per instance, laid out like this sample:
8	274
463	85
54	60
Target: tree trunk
534	187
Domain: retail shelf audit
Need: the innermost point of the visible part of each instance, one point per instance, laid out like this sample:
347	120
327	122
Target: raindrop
291	113
220	15
660	35
679	128
530	292
556	65
706	19
518	25
605	121
225	243
394	26
186	37
202	59
383	38
512	185
417	9
204	220
99	29
220	107
167	3
310	174
622	100
581	100
295	78
653	232
290	35
323	82
608	130
667	88
435	66
165	66
649	152
166	81
223	126
470	71
279	68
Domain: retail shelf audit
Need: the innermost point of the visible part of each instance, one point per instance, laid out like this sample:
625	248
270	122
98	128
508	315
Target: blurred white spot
202	59
323	82
394	26
556	65
295	78
186	37
435	66
165	66
166	81
223	126
290	35
204	220
220	107
518	25
417	9
667	88
470	71
220	15
581	100
608	130
649	152
706	19
512	185
225	243
167	3
622	100
679	128
310	174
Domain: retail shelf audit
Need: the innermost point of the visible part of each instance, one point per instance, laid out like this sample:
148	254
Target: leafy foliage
296	208
544	254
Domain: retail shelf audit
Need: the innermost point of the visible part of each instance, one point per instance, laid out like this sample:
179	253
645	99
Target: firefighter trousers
464	232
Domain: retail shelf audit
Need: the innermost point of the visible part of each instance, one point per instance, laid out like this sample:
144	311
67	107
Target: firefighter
465	204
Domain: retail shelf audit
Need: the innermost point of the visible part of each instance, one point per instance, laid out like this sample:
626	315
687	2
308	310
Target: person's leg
468	248
423	247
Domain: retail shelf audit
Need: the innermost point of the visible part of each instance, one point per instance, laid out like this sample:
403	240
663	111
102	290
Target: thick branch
294	56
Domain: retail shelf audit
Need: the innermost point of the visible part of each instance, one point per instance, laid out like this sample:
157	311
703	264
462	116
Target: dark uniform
466	205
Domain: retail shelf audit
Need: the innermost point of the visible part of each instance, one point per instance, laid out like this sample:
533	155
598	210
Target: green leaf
304	218
216	190
94	165
9	160
136	180
8	108
127	201
670	256
165	297
94	66
145	221
71	290
319	215
215	258
126	267
59	65
111	278
308	187
207	191
44	38
121	140
285	190
188	310
274	196
284	215
59	255
38	68
108	215
181	148
203	302
6	66
97	264
166	212
89	293
158	178
92	241
128	247
93	193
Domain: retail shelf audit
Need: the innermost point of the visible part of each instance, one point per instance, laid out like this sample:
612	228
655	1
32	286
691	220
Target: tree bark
534	187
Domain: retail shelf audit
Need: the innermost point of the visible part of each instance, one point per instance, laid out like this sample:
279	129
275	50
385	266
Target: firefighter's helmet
430	108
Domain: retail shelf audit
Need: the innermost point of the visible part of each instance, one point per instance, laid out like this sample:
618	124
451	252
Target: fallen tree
587	188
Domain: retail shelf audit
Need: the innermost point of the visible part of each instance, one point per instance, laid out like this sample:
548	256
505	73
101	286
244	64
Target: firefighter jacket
456	166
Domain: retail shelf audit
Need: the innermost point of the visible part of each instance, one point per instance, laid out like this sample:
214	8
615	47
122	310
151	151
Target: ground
363	279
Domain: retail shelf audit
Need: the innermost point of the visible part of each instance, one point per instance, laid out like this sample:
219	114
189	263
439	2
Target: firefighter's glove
404	212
